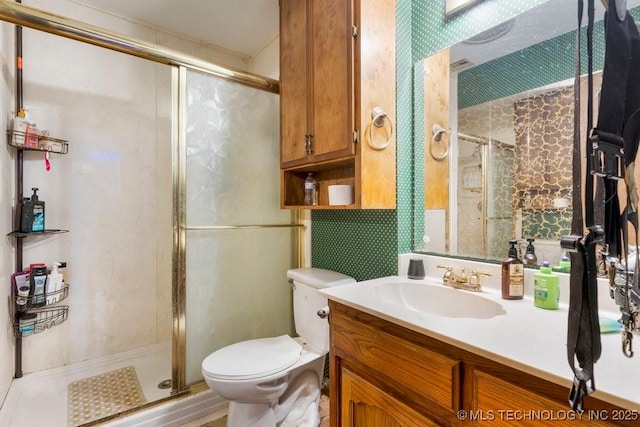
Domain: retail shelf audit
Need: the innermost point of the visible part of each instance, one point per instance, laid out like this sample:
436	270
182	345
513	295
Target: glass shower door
239	243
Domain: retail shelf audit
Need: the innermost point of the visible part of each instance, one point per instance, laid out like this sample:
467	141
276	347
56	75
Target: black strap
583	337
610	149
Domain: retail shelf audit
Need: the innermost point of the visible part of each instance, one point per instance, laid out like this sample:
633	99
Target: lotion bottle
54	284
19	127
512	274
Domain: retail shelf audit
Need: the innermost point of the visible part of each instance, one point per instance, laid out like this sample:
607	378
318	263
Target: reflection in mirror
507	185
506	100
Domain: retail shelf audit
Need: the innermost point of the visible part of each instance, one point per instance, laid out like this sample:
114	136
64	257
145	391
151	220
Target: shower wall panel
111	191
236	285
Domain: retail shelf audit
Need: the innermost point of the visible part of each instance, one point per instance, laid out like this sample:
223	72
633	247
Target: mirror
495	114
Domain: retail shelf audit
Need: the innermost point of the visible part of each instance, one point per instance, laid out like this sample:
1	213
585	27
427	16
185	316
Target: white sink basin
438	299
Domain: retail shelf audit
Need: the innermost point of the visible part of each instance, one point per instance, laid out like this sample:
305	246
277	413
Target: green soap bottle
546	291
565	265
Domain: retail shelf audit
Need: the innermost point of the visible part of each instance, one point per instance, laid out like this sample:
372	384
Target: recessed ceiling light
492	33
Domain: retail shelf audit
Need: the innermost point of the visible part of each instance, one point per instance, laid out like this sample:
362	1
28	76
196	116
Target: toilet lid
252	359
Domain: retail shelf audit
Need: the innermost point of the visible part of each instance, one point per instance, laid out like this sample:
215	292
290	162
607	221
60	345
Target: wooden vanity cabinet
365	405
380	376
384	375
337	62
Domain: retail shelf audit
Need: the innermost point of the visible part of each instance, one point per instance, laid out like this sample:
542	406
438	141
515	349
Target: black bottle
38	279
530	257
31	211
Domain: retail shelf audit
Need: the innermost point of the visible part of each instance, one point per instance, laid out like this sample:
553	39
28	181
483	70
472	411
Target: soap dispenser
512	274
31	212
530	257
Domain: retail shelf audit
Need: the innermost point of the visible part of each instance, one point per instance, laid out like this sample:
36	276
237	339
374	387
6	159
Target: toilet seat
253	358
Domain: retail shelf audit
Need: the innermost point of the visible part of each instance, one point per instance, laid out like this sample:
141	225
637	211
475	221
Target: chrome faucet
462	281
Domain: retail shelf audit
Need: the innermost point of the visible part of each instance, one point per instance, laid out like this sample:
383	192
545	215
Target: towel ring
438	132
378	117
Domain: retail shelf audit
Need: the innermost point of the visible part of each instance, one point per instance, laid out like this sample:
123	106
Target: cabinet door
500	403
316	81
294	74
332	41
364	405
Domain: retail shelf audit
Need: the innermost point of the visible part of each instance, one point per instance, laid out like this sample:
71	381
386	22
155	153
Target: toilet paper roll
340	195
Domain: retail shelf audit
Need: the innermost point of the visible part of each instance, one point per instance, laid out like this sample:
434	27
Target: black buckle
607	156
596	235
578	391
571	243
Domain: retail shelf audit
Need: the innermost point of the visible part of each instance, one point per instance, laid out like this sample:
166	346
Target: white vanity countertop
527	338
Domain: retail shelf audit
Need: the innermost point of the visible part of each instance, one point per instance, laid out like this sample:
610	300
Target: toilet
276	381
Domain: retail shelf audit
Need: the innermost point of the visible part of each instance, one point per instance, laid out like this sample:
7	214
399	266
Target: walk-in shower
183	248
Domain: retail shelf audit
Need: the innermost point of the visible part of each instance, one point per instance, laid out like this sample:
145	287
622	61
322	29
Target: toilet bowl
277	380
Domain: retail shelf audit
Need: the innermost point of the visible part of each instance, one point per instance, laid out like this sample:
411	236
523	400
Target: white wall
267	61
112	191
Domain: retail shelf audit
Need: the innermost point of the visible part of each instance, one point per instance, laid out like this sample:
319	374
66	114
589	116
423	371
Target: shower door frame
37	19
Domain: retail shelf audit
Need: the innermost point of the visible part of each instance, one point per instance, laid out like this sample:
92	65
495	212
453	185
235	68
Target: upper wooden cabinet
337	63
317	81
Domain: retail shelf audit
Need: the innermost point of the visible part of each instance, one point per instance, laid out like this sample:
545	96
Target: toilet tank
307	301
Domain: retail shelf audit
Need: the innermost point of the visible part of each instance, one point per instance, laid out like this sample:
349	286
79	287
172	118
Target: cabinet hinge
355	31
356	136
308	144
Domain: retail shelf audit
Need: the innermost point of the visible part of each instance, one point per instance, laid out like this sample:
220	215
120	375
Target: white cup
340	195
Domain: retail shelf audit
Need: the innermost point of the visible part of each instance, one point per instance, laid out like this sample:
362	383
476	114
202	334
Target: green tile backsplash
361	244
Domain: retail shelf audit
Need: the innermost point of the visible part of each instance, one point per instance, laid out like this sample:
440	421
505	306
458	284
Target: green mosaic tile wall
539	65
432	32
364	244
361	244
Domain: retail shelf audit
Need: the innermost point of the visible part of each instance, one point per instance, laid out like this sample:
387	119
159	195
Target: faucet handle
474	277
447	274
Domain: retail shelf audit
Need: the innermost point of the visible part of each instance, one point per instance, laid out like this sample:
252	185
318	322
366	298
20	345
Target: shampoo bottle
512	274
38	281
530	257
546	291
565	264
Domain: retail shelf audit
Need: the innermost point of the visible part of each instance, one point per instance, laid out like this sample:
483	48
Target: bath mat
103	395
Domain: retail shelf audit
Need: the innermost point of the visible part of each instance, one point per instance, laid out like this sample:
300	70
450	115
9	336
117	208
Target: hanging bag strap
583	336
